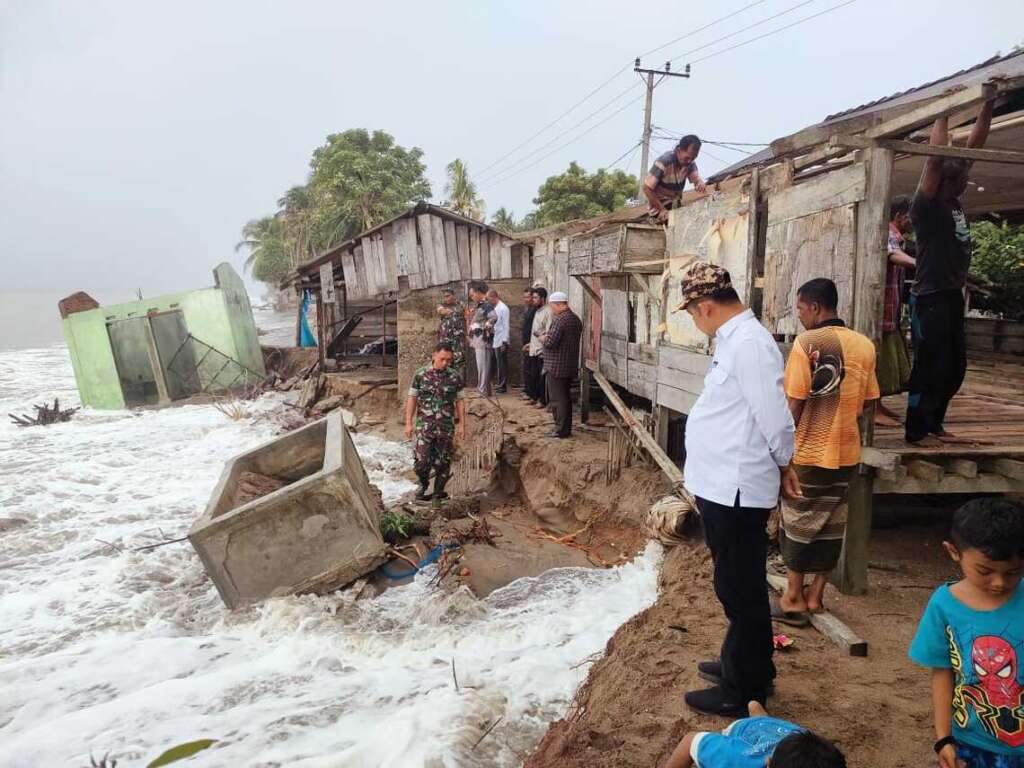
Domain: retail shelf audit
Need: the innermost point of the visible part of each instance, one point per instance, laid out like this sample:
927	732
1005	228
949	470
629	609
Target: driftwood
45	414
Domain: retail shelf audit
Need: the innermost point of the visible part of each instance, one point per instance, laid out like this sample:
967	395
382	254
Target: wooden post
344	313
584	371
298	319
384	332
320	336
851	573
871	254
661	421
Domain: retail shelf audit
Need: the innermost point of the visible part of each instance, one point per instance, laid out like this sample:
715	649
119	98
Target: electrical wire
773	32
562	146
701	29
615	162
744	29
483	177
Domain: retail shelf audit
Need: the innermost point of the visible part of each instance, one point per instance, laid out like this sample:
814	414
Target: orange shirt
832	369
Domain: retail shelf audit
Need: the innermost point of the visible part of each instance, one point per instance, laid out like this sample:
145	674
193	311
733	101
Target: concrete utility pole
651	84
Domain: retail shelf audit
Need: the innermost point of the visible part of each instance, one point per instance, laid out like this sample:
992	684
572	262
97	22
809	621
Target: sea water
108	649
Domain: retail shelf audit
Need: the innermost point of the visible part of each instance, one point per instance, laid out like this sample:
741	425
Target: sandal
790	618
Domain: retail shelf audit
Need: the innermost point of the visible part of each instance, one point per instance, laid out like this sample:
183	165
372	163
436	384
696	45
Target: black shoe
715	701
712	672
423	495
555	434
500	391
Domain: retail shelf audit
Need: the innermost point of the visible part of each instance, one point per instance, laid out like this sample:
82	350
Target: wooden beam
872	457
590	291
871	255
962	467
1011	468
644	287
851	573
915	148
909	121
829	625
925	470
751	265
674	473
985	482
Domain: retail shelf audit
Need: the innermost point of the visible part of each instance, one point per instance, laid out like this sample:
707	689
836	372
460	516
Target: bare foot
790	605
884	420
928	441
754	709
813	606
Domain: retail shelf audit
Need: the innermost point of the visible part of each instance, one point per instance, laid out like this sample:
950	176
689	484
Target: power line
744	29
615	162
485	176
701	29
774	31
563	146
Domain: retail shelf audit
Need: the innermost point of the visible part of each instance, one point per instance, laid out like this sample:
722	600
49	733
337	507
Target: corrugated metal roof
1010	65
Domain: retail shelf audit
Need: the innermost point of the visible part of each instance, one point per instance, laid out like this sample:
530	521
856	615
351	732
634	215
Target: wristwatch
944	742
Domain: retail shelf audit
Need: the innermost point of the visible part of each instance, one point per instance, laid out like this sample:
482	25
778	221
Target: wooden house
814	204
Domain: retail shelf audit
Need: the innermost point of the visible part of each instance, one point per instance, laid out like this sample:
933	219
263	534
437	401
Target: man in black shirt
943	258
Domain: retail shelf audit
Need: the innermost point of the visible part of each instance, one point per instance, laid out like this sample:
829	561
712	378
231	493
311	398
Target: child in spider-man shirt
972	638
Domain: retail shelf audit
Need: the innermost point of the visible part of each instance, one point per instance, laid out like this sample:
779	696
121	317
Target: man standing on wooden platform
481	334
830	375
937	298
739	443
435	402
562	360
663	186
453	330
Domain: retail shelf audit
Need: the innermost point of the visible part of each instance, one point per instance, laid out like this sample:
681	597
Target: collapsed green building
156	351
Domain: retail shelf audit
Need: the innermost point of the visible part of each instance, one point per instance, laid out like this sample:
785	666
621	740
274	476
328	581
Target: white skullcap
558	297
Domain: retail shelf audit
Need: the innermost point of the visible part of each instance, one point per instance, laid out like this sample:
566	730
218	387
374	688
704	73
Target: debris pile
45	414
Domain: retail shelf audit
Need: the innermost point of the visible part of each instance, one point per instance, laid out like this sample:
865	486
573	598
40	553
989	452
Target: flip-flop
790	618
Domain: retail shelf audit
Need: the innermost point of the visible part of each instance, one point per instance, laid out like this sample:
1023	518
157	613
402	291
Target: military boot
421	493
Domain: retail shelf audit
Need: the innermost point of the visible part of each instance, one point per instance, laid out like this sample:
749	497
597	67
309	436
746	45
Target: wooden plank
369	265
925	470
426	240
840	187
440	255
581	251
358	262
686	360
475	268
672	472
682	380
643	245
827	623
407	251
931	150
916	118
607	251
614	310
985	482
872	256
752	240
641	379
613	364
1011	468
589	291
962	467
677	399
506	259
462	246
645	353
390	258
349	271
494	254
451	249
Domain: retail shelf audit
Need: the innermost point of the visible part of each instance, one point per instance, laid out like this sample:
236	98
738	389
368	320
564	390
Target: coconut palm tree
504	220
461	191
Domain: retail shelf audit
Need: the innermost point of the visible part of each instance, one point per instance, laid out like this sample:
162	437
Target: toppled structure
155	351
315	530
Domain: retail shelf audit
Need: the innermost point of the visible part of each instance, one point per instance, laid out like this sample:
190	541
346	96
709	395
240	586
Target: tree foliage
998	259
357	180
576	194
504	220
461	192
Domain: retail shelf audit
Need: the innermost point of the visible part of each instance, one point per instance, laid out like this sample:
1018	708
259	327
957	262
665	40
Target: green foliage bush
998	259
395	526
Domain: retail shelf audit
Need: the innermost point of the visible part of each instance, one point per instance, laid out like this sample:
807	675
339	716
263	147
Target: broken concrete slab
316	533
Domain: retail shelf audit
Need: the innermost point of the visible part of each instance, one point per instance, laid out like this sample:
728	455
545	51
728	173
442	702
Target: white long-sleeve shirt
501	328
740	431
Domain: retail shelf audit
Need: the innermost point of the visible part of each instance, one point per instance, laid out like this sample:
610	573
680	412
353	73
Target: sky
137	138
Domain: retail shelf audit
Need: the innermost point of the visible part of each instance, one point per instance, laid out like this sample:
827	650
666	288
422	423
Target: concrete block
314	534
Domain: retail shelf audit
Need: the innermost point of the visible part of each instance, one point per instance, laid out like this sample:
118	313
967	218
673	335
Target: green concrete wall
221	318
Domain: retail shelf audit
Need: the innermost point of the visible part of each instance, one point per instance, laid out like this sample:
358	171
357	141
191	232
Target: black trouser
558	392
501	367
532	368
940	360
739	546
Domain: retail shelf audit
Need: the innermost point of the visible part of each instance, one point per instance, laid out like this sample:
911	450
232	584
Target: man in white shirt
739	445
501	336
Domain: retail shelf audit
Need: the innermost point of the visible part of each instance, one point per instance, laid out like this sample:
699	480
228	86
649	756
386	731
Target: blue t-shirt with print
984	649
746	743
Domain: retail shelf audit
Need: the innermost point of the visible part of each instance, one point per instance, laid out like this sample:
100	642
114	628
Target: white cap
558	298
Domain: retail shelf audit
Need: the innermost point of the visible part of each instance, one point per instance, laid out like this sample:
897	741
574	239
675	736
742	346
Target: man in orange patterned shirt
830	375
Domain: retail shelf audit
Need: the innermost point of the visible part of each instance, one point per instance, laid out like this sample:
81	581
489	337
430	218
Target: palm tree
461	191
504	220
296	210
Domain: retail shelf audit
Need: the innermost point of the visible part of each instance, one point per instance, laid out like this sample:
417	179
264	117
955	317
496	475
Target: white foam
133	652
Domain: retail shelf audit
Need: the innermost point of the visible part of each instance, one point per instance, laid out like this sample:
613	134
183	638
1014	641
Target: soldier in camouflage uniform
453	330
435	401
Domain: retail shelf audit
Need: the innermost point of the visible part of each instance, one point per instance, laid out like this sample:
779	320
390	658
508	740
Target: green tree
504	220
360	179
461	191
270	256
576	194
998	259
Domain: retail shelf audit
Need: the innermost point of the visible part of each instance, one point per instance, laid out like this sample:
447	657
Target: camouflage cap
702	279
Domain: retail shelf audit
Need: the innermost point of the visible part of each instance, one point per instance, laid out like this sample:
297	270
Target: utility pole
648	77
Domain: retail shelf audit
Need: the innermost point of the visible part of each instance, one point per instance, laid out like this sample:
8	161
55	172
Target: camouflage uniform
436	392
453	331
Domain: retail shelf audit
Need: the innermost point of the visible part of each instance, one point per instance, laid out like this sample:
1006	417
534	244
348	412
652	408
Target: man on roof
663	186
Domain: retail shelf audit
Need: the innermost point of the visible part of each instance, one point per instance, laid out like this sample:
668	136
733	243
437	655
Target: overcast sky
136	137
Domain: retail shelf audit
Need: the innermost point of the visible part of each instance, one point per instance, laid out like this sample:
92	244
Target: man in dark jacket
529	310
562	360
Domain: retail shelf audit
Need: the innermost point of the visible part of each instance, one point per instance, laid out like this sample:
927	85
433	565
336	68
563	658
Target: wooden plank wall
429	251
680	376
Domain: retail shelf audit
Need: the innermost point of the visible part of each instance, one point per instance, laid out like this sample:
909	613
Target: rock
329	404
